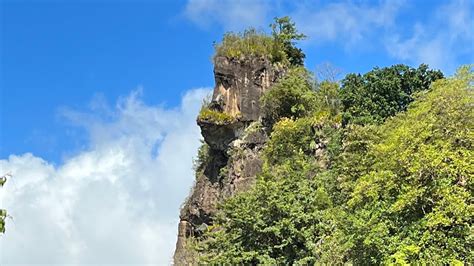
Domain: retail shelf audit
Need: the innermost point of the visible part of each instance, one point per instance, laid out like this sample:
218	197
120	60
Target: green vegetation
274	223
291	97
278	47
382	93
285	36
374	170
3	213
388	188
202	157
298	95
216	117
250	43
415	195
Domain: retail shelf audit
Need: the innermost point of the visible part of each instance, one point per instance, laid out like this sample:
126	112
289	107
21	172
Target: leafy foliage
298	95
3	213
395	192
274	223
285	34
328	98
202	158
278	47
214	116
291	97
381	93
414	203
249	43
303	136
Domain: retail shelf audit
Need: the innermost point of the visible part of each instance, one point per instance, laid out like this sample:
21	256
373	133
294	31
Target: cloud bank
441	41
231	14
441	37
115	203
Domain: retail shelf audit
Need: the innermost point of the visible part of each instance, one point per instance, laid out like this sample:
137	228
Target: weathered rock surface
241	83
220	136
235	148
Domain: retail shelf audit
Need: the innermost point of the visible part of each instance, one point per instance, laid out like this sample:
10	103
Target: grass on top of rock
216	117
248	43
279	46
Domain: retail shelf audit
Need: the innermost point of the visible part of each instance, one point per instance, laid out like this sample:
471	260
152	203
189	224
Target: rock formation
234	148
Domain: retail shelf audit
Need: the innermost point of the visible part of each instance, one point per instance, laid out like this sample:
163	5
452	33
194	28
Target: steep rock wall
234	148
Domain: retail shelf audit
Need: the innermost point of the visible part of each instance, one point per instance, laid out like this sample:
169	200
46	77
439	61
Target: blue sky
63	54
103	94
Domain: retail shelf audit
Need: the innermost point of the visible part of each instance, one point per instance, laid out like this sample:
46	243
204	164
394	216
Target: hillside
373	169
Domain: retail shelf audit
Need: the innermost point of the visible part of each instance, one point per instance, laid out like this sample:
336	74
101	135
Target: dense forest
373	169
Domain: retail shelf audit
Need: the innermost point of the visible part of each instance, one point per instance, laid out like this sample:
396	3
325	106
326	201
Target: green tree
291	97
383	92
414	203
399	192
279	221
284	218
285	35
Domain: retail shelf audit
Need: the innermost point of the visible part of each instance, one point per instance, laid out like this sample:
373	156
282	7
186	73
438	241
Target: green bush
216	117
328	97
3	213
302	136
202	158
277	47
249	43
291	97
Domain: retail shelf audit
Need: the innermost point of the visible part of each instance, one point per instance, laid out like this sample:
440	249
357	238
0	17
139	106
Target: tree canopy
383	92
389	188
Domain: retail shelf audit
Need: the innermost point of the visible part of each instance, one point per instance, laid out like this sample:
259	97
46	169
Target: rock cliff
234	148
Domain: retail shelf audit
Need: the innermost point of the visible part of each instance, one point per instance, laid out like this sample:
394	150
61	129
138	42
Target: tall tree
383	92
285	34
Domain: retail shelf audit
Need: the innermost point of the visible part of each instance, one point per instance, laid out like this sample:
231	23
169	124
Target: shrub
291	97
328	97
202	157
216	117
277	47
302	136
249	43
285	34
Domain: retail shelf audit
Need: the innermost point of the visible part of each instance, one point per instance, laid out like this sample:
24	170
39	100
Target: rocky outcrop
241	83
234	147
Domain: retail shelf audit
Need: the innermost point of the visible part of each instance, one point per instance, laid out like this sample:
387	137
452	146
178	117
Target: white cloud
346	22
443	38
115	203
441	41
230	14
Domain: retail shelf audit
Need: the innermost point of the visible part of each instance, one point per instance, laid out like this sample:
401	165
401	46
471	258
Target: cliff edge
233	145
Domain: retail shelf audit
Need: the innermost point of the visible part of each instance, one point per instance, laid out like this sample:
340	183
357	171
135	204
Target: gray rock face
235	148
220	136
241	83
